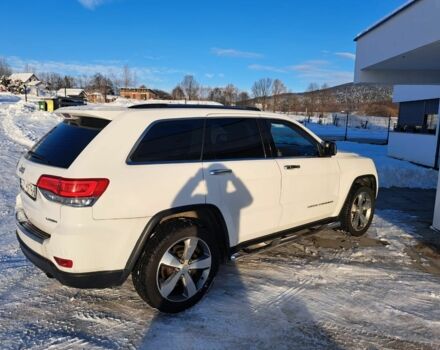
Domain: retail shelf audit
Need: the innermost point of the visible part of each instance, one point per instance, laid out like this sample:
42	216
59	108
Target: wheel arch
209	215
368	180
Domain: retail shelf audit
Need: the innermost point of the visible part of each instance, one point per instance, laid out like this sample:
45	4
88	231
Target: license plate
29	188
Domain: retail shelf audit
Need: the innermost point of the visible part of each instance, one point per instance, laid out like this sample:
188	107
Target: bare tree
217	95
261	90
177	93
190	87
231	94
128	77
313	87
311	98
243	97
5	68
29	69
278	88
204	92
293	103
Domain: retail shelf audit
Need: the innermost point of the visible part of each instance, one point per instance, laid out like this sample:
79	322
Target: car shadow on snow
247	306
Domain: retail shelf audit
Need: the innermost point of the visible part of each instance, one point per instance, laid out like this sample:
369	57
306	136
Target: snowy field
375	132
326	291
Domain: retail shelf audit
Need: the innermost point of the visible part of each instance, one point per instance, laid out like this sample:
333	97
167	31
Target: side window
291	141
171	140
232	138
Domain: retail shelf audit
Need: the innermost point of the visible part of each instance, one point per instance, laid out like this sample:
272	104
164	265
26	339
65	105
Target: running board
265	246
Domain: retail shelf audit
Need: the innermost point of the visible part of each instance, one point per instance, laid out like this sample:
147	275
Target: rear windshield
66	141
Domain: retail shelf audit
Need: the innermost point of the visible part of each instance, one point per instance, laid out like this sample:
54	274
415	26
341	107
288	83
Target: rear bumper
101	279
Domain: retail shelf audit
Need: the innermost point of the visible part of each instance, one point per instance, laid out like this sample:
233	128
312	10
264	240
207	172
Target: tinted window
290	141
232	138
171	140
62	145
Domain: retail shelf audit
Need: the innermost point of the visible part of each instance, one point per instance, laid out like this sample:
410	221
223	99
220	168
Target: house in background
138	93
73	93
404	49
24	78
33	85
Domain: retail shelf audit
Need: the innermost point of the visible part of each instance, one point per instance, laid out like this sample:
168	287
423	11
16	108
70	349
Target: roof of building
23	77
70	92
400	9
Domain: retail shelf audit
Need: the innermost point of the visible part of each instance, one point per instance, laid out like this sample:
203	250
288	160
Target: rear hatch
52	156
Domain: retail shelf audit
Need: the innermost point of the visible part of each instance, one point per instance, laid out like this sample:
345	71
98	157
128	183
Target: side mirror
329	148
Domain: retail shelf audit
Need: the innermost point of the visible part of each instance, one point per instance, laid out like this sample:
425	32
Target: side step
265	246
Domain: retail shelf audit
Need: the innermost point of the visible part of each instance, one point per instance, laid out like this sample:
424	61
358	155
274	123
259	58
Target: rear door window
170	141
232	139
64	143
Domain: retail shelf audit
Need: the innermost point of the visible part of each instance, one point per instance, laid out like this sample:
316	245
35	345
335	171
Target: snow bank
393	172
8	98
23	123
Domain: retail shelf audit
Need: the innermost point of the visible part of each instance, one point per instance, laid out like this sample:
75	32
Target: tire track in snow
295	291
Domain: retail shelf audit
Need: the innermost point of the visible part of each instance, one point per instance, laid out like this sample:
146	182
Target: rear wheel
358	211
177	266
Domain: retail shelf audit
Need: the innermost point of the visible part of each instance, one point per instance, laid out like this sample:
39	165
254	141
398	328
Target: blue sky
218	42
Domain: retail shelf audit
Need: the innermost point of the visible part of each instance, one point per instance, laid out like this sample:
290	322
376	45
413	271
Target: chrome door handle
290	167
220	171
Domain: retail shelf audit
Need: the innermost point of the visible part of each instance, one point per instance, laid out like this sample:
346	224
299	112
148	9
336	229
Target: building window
418	116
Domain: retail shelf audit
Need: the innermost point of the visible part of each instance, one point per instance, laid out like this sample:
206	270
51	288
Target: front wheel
177	266
358	211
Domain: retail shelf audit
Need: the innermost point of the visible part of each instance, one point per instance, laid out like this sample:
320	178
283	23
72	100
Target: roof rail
199	106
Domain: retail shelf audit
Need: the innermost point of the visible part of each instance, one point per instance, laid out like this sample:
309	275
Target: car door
310	181
240	180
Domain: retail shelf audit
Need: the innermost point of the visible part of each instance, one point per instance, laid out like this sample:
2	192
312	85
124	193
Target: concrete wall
417	27
405	93
417	148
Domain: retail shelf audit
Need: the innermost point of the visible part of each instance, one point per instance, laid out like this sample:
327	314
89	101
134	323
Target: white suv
168	192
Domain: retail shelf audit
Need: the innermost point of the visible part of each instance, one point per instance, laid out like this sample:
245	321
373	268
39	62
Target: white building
404	49
33	85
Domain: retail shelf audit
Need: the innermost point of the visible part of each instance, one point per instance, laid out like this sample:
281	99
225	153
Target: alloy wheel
361	210
183	269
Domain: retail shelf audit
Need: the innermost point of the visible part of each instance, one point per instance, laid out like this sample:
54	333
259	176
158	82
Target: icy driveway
326	291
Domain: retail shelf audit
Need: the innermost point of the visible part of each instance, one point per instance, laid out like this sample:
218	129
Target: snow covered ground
375	132
326	291
393	172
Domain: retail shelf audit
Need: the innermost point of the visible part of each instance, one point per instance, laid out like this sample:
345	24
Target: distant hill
369	99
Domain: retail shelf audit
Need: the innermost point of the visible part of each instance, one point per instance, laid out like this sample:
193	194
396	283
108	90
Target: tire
170	258
356	220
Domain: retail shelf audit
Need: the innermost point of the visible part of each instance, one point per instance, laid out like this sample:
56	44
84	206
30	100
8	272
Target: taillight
73	192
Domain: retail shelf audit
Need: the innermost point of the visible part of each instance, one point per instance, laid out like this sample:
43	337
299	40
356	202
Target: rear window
63	144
